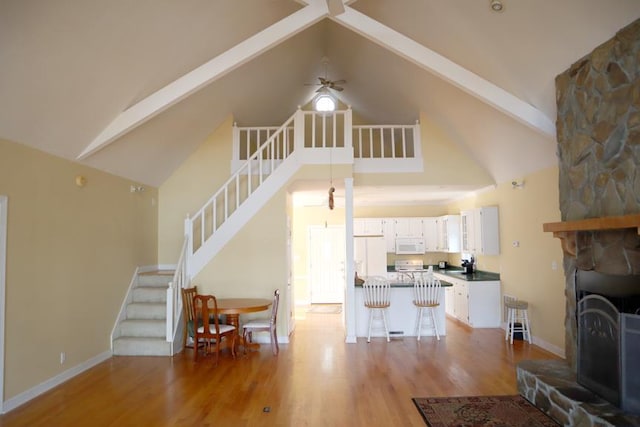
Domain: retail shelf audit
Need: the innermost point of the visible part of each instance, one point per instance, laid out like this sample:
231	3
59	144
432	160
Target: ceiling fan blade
338	88
339	82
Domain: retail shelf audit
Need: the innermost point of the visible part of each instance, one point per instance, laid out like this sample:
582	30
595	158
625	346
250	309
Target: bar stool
376	292
517	319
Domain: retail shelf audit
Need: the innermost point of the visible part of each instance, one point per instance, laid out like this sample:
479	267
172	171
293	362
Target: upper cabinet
448	228
430	227
389	225
368	227
479	231
408	227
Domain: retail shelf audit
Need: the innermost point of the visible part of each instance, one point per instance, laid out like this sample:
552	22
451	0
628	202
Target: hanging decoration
331	191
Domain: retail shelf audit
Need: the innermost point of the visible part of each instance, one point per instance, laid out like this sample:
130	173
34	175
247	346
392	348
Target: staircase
265	159
142	331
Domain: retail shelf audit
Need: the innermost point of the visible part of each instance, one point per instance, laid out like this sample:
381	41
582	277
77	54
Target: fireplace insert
608	319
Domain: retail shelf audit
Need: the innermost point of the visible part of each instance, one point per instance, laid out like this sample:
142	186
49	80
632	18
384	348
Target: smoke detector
497	6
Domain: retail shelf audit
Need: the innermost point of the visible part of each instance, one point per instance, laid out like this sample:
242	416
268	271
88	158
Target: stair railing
174	301
240	186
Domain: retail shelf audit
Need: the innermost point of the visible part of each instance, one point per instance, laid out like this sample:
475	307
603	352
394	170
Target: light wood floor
316	380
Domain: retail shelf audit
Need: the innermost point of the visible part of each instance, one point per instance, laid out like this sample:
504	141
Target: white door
326	264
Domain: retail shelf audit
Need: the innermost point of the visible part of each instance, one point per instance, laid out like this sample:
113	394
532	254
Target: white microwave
409	246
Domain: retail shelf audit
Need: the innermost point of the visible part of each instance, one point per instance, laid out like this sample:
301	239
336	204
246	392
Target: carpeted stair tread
143	328
141	346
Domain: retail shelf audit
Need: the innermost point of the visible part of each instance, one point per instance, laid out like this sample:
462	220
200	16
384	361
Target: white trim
447	70
387	165
127	299
3	293
551	348
47	385
205	74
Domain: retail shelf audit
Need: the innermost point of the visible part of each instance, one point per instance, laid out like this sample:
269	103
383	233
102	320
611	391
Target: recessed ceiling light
497	6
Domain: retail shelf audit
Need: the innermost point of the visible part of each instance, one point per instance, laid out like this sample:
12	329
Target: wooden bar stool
517	319
376	292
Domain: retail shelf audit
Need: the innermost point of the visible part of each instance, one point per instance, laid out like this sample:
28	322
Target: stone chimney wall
598	131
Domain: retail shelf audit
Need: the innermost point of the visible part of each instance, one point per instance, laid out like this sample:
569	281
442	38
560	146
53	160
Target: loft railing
385	141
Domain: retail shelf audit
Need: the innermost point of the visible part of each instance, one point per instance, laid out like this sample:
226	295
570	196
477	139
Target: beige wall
190	186
71	253
526	271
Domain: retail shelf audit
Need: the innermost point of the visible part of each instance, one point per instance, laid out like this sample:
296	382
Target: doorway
326	264
3	265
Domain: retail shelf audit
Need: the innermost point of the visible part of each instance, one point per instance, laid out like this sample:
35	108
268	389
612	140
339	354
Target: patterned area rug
477	411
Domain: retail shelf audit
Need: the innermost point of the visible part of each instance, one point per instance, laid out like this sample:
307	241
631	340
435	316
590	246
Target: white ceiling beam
447	70
336	7
205	74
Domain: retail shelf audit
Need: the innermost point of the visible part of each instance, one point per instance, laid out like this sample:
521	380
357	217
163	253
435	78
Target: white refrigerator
370	255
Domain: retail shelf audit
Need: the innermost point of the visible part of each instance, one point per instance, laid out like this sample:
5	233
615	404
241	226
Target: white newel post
170	317
350	292
235	156
417	140
298	131
348	129
188	233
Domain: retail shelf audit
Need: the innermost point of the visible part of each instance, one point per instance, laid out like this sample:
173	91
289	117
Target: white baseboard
551	348
26	396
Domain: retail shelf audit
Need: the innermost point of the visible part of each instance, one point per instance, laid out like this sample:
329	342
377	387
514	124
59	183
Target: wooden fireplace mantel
566	230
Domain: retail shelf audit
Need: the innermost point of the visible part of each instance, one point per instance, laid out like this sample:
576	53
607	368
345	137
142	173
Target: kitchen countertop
410	284
477	276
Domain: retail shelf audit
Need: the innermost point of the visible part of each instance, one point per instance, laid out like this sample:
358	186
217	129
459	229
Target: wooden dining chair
211	332
189	314
264	325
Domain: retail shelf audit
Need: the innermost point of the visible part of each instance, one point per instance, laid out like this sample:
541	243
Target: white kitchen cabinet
466	233
476	303
368	227
461	301
486	230
430	227
448	301
408	227
448	227
479	231
389	226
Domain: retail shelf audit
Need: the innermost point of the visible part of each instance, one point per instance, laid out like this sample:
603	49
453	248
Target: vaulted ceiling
133	87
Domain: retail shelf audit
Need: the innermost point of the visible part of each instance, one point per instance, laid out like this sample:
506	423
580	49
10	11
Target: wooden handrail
566	230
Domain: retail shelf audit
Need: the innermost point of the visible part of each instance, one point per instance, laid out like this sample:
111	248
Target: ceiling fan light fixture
324	103
497	6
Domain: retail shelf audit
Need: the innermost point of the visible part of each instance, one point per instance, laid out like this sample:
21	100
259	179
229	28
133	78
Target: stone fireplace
598	132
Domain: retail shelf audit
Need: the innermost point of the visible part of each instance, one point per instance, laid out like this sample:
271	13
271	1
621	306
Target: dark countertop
477	276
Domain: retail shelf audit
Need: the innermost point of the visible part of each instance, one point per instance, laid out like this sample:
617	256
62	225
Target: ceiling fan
329	84
325	83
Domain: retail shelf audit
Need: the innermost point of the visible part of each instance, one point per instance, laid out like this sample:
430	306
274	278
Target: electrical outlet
63	357
554	265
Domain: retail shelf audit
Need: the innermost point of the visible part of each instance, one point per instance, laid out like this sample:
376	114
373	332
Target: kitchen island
401	314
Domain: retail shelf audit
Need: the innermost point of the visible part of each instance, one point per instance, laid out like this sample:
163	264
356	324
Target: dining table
232	308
